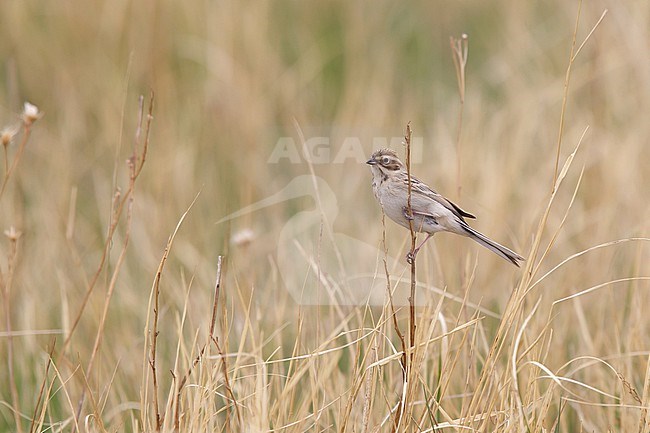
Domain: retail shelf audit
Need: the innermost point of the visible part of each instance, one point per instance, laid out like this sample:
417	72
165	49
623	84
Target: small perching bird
431	212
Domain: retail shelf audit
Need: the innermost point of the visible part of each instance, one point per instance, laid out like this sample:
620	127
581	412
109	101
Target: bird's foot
407	214
410	257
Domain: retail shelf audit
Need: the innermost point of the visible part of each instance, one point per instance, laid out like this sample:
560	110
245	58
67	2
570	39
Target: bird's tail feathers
496	248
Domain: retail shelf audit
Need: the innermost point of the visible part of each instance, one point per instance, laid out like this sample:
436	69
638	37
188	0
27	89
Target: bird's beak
371	162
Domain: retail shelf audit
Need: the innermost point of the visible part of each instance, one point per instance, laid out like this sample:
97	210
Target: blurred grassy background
229	78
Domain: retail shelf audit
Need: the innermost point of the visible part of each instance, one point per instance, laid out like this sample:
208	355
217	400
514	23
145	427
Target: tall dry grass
560	345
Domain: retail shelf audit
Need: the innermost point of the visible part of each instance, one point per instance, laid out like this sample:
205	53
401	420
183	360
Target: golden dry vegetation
109	321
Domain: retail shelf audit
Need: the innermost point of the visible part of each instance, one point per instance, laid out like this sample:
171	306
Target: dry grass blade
42	396
599	286
583	252
222	355
565	97
644	423
514	308
459	49
6	286
152	333
524	424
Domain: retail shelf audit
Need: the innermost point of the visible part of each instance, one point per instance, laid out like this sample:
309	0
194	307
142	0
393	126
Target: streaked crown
386	159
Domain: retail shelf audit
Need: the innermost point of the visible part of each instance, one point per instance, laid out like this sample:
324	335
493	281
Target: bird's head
385	162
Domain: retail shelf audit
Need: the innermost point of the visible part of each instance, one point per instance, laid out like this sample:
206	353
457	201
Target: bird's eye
385	160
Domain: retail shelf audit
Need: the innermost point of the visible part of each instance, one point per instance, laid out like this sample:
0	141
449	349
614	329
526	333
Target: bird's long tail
496	248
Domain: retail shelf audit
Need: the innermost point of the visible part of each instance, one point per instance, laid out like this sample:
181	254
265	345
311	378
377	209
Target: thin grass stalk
514	307
407	139
565	97
27	130
393	314
224	366
459	49
120	203
154	332
135	164
7	283
41	399
412	324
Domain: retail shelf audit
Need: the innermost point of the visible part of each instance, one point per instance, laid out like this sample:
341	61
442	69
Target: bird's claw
410	257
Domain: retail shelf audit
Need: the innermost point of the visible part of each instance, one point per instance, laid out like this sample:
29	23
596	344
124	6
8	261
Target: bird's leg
429	235
410	257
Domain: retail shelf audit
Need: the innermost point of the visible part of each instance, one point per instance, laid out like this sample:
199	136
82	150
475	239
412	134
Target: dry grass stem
459	50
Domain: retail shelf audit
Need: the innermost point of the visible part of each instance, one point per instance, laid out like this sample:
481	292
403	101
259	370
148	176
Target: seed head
13	234
242	238
7	134
30	114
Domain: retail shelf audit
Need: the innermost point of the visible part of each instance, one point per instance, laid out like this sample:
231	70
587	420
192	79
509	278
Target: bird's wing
422	188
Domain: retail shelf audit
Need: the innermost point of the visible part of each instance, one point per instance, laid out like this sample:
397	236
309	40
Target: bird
430	212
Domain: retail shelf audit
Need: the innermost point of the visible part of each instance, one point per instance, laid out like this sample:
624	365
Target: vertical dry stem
409	371
565	97
393	314
459	48
19	153
407	140
154	338
42	398
5	285
6	282
211	338
154	330
135	165
222	355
